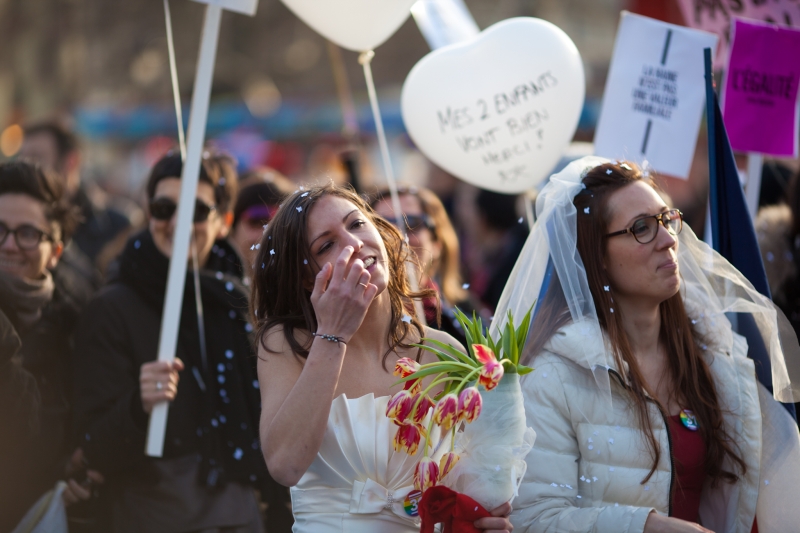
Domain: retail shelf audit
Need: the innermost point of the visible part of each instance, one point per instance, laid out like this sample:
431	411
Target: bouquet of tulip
460	401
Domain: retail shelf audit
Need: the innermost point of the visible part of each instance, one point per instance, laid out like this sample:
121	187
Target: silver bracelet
331	338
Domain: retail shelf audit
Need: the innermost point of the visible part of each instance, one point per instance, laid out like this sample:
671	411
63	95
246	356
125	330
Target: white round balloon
358	25
497	111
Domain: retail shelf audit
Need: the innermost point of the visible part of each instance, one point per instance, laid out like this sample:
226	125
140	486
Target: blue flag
732	229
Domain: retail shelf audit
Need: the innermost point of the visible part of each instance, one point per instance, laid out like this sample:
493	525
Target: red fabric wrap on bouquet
458	512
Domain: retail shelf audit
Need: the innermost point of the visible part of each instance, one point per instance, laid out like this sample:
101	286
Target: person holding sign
334	313
211	461
648	414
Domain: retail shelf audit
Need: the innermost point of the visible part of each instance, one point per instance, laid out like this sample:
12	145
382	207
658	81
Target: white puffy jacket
584	473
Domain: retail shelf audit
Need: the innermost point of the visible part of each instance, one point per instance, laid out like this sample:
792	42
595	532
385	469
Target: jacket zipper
669	438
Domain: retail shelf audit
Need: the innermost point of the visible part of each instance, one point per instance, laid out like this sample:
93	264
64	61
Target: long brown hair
280	294
694	386
448	266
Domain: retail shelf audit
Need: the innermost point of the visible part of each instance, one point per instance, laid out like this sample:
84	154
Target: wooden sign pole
176	280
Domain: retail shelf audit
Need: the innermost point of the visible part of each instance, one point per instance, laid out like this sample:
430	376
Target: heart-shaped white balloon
357	25
497	111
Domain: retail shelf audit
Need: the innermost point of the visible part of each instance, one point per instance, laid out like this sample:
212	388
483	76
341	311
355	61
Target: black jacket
36	402
216	412
217	407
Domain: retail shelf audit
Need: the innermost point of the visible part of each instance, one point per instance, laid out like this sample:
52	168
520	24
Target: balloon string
366	59
173	71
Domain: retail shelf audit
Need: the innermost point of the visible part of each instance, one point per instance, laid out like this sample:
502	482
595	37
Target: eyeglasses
26	236
164	209
415	223
645	229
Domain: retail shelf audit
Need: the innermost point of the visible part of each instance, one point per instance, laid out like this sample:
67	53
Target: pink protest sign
717	15
761	81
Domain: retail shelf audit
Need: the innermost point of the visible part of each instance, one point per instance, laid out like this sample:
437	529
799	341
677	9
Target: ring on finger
363	285
159	385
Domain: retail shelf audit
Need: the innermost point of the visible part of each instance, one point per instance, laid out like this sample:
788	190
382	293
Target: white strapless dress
358	483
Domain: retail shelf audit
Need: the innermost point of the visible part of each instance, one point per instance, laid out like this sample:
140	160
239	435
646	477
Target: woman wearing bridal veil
647	411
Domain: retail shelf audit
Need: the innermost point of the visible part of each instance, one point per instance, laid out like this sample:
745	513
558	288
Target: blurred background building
104	67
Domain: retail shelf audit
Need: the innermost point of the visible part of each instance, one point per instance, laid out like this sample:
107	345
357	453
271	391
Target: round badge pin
688	420
411	503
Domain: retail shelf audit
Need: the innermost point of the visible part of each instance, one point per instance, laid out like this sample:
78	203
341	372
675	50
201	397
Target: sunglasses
164	209
645	229
258	215
415	223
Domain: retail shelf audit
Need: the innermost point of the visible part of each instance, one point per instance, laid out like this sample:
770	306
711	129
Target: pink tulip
404	367
422	409
426	475
446	411
492	371
413	385
447	462
406	439
400	405
469	404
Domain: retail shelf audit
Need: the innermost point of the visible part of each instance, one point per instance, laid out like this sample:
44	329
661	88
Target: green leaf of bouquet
452	350
444	368
522	370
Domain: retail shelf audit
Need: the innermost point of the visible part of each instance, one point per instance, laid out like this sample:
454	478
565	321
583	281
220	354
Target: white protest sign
497	111
176	279
246	7
654	95
444	22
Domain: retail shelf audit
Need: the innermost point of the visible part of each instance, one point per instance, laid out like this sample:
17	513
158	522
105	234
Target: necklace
688	420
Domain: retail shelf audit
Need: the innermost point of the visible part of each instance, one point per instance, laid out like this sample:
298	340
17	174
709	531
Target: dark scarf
23	299
225	389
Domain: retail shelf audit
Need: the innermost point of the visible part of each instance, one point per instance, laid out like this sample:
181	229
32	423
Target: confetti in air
625	166
465	286
272	252
407	319
606	288
586	210
519	221
299	209
609	171
305	261
304	194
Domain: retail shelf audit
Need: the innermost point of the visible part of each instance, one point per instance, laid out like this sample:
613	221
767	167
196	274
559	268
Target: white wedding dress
357	482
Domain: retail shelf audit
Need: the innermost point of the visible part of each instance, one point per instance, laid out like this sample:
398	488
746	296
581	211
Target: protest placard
760	99
716	16
654	95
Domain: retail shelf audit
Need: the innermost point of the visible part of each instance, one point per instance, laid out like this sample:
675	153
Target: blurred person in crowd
260	193
212	462
778	231
102	229
432	237
500	234
37	445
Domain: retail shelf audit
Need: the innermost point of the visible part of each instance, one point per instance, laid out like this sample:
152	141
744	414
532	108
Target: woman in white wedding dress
334	313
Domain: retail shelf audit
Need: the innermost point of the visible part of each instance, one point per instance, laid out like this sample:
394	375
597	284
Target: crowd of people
300	297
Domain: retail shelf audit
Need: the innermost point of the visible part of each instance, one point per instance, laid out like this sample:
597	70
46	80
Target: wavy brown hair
280	294
694	386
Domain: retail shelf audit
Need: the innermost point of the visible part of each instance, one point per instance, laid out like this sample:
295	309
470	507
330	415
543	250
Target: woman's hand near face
341	296
657	523
158	382
499	522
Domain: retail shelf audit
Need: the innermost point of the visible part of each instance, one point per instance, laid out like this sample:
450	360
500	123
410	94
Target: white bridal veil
708	280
